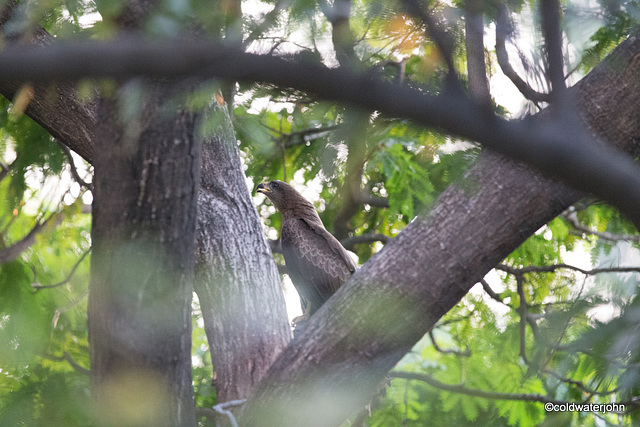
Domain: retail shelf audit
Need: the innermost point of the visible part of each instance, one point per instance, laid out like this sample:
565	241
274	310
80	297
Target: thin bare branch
270	19
300	137
66	356
579	384
367	199
464	353
554	267
503	29
461	389
73	168
223	409
66	280
572	217
522	310
490	292
439	37
350	242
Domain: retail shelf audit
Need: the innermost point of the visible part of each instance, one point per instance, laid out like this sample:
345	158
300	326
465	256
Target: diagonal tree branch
439	37
12	252
461	353
66	356
392	300
66	280
522	311
65	116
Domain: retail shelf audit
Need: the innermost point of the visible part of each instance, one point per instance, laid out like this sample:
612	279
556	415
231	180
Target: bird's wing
316	261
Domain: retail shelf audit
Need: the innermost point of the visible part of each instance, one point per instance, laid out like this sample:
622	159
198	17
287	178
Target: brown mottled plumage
316	261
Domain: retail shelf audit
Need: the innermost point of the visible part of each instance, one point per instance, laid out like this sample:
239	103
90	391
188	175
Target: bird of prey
316	261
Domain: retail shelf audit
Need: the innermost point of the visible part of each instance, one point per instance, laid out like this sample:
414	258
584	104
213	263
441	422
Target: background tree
528	337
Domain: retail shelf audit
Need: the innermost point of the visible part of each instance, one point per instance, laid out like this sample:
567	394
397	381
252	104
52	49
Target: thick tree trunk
146	180
236	279
244	336
396	297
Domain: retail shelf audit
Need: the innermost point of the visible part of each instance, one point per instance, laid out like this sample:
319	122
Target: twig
66	356
554	267
367	199
440	38
59	311
578	384
502	31
306	135
350	242
572	217
4	170
222	408
269	19
38	286
522	310
73	168
491	292
461	389
464	353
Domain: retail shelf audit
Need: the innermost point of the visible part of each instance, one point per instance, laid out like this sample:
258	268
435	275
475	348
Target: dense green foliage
528	336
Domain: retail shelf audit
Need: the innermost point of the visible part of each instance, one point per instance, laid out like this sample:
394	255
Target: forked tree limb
350	344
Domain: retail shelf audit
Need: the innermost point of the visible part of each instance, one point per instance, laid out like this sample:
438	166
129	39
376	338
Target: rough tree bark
55	107
146	182
244	313
229	234
394	299
143	233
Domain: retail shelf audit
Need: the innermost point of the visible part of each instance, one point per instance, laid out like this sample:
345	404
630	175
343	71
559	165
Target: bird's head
283	196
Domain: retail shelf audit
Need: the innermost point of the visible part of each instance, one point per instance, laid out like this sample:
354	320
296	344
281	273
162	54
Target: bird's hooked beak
263	188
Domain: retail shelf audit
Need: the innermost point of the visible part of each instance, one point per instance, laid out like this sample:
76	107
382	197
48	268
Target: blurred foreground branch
550	147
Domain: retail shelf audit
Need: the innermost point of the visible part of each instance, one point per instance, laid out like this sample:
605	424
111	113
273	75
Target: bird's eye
275	185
